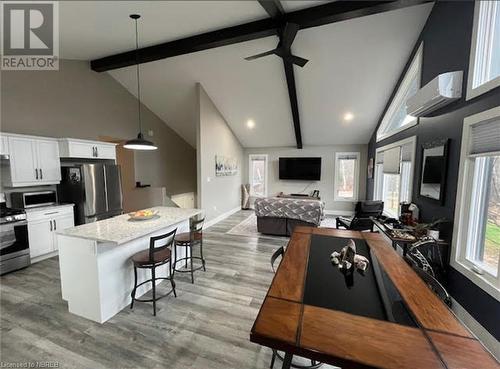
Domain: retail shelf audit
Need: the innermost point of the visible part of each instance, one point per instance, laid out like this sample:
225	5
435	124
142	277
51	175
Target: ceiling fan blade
261	55
289	33
297	60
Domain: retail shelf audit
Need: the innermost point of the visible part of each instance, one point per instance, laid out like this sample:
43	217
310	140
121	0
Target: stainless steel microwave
24	200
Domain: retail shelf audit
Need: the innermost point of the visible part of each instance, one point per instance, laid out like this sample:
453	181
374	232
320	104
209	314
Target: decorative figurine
347	258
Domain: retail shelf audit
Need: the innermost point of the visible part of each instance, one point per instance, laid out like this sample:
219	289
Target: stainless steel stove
14	244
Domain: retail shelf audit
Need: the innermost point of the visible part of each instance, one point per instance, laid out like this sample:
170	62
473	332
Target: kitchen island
94	259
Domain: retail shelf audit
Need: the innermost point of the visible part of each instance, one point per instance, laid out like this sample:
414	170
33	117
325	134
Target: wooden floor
207	326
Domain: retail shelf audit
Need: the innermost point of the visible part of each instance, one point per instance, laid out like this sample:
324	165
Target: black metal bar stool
151	259
188	240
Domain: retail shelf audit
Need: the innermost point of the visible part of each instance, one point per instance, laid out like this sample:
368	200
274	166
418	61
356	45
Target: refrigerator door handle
106	188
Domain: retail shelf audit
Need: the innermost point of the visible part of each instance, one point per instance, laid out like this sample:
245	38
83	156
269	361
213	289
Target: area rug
248	227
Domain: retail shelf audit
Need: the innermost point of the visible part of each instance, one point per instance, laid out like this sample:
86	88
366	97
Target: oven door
13	239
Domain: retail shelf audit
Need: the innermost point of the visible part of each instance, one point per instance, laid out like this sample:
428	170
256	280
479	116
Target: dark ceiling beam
338	11
276	12
273	8
292	94
311	17
223	37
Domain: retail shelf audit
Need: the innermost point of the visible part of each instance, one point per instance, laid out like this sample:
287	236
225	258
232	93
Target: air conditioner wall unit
442	90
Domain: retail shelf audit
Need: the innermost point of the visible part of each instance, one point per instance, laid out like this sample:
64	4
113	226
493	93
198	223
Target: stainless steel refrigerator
95	189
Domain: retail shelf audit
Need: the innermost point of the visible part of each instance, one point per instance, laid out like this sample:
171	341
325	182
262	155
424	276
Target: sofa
279	216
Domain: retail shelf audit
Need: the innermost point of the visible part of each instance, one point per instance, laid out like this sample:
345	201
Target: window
346	176
476	239
395	119
258	175
393	174
484	64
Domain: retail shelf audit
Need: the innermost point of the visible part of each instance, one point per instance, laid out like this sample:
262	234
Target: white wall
216	195
325	185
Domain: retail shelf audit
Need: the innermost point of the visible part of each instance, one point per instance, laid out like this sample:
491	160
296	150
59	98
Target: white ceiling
94	29
353	67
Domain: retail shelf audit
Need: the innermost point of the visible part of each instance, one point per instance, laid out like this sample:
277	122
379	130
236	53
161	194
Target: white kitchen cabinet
42	227
23	161
84	149
62	222
48	161
4	145
33	161
41	237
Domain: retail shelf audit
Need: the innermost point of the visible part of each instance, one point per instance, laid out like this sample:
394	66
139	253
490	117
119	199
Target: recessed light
348	116
250	123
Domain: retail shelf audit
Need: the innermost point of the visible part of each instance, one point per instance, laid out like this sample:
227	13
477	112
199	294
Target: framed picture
225	166
370	168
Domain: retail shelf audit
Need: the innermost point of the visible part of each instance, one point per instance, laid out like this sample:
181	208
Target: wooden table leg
287	361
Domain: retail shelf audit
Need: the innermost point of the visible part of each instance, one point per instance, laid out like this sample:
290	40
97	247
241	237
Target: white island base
97	274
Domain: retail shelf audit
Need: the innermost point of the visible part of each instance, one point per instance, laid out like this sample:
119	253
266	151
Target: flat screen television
306	169
433	169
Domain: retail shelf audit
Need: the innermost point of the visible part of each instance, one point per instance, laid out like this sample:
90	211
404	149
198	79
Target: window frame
466	179
266	173
486	86
356	177
398	96
407	141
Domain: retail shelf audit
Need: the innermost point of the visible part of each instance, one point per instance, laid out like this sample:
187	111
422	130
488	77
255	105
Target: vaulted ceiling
353	66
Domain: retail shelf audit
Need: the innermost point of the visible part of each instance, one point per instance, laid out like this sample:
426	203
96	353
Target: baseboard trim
36	259
339	212
222	217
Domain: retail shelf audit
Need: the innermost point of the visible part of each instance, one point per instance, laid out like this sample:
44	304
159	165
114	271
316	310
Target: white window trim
462	206
410	140
416	63
356	177
487	86
250	174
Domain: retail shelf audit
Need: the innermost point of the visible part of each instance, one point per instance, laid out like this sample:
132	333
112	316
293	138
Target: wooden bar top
339	338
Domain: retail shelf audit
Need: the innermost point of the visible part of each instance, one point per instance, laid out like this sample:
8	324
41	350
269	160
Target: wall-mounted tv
306	169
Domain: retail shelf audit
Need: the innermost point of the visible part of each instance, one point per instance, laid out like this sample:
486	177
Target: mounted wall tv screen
306	169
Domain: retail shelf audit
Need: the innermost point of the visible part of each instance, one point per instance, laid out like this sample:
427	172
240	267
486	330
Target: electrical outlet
151	133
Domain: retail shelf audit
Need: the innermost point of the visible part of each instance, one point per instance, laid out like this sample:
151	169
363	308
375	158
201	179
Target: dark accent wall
447	37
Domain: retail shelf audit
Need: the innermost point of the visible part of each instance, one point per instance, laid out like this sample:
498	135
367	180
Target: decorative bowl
143	215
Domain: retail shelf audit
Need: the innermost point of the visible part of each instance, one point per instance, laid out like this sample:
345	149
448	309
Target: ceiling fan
283	49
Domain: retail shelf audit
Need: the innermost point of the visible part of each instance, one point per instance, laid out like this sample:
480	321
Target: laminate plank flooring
207	326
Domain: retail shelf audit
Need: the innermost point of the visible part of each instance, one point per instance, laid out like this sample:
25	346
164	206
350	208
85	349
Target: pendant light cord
138	75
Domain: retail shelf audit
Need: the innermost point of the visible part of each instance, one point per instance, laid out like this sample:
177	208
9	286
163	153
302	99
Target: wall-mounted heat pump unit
441	91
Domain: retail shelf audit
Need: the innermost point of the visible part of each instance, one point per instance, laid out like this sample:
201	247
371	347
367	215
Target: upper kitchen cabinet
84	149
33	161
4	145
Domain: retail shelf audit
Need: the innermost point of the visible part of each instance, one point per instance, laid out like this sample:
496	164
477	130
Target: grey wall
79	103
447	36
216	195
325	186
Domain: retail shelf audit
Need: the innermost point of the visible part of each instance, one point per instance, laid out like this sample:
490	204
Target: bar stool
151	259
188	240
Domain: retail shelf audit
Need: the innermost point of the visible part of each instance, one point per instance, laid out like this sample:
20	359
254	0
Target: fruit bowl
143	214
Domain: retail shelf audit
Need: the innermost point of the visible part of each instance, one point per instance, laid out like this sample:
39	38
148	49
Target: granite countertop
120	229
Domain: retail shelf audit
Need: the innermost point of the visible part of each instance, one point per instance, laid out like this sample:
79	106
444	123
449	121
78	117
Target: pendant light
138	143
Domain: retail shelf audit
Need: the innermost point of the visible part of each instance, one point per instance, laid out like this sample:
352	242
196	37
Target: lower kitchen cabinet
42	226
